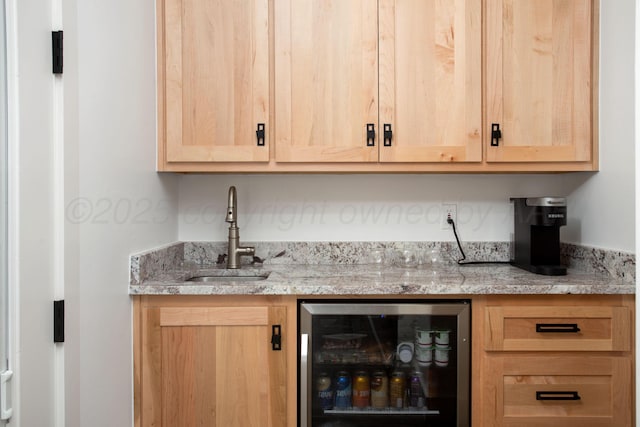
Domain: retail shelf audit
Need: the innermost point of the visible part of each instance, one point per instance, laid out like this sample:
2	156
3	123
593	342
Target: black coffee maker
535	244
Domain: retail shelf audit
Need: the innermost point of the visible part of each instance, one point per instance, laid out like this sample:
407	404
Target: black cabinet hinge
58	321
276	337
496	134
56	50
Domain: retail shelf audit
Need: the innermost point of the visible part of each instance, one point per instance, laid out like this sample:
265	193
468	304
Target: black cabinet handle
388	134
496	134
276	338
557	327
260	134
371	135
557	395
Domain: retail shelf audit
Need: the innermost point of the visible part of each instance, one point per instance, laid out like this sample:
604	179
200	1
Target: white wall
116	204
356	207
607	200
405	207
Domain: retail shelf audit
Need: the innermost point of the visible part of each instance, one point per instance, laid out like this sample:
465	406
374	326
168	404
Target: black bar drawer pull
557	327
557	395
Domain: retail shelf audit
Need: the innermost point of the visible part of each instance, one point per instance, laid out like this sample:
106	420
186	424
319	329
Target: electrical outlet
448	210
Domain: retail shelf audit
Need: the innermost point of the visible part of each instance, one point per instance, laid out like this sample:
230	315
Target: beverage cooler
373	363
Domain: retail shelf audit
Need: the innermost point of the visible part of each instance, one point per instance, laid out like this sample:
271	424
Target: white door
6	375
32	216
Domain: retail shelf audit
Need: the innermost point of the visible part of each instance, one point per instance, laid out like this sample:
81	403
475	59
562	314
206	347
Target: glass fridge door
370	364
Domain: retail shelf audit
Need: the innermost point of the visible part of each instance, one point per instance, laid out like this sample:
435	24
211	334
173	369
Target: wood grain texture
137	362
539	85
326	71
430	85
206	363
514	328
151	368
308	45
215	69
213	316
598	364
601	382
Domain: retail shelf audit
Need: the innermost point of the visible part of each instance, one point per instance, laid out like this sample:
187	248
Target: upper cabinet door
213	80
430	80
326	80
539	80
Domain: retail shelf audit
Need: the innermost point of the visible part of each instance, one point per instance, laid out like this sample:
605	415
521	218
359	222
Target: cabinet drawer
557	328
560	391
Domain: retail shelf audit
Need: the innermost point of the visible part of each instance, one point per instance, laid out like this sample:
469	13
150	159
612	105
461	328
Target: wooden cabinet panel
213	80
437	73
430	80
326	80
520	373
211	366
595	391
539	82
578	328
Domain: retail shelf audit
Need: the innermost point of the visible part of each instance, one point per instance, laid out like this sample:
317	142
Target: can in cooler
416	394
441	355
324	391
397	387
343	390
379	390
361	389
424	337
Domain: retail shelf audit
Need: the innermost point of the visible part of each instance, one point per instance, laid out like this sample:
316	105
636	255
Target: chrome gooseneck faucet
235	251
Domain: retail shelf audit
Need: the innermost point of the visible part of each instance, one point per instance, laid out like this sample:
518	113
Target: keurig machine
536	234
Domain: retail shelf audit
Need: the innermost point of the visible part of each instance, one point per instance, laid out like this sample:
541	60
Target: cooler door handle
304	380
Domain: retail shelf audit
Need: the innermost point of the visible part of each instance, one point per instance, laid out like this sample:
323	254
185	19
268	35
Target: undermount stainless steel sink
230	278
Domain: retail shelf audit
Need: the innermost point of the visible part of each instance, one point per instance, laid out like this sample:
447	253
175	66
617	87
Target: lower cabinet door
584	391
212	366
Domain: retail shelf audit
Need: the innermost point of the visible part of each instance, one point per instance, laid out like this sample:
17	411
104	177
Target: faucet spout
231	209
235	250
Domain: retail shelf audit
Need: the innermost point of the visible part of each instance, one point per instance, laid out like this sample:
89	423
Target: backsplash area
615	264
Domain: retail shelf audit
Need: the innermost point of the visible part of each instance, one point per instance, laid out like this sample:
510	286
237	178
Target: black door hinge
58	321
56	50
276	337
496	134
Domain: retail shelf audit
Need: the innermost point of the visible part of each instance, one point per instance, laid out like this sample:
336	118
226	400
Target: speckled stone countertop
340	269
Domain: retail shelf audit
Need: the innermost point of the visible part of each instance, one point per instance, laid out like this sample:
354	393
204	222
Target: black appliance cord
462	261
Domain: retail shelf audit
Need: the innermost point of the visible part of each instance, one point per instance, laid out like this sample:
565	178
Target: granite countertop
286	277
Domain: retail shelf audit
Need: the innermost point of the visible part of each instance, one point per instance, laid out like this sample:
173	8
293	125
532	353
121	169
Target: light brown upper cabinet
213	81
430	84
369	81
540	79
326	73
377	85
